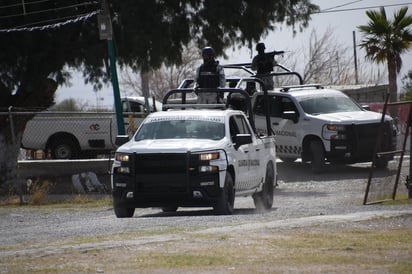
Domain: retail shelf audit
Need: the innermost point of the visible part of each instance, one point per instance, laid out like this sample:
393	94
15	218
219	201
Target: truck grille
161	163
362	139
161	173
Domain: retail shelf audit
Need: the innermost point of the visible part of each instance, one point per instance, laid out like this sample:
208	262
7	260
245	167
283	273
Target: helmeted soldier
209	75
263	64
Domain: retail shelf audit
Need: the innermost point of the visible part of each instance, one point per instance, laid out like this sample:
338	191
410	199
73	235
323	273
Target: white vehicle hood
356	117
171	145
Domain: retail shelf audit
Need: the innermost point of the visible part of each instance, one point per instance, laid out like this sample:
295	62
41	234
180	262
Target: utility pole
106	33
355	58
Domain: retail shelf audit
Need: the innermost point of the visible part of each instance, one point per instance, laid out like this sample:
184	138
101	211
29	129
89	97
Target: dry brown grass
370	247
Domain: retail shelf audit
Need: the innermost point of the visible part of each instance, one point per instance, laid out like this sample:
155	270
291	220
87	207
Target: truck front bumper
360	143
160	180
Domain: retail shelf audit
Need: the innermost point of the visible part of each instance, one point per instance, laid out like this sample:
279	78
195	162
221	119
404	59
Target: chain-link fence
393	181
65	135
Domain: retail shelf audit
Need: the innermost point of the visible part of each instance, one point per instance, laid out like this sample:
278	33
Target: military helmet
208	51
260	46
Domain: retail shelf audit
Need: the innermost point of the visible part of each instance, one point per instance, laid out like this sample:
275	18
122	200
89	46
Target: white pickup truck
318	124
322	125
196	157
73	135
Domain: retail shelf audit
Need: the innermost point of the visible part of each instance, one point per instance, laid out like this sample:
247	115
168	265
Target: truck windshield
181	129
328	104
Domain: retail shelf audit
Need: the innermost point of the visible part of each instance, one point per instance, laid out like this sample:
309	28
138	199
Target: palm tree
385	40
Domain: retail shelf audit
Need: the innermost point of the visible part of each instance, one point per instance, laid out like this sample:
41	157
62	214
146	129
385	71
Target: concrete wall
365	93
69	176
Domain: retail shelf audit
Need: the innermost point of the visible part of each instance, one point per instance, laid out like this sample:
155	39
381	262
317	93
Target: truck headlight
335	132
122	157
335	127
209	156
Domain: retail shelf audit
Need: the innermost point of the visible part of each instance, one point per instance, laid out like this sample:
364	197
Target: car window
136	107
328	104
277	105
181	129
238	125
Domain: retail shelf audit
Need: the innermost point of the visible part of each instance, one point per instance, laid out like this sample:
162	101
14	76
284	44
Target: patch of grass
90	201
38	192
176	260
401	199
250	252
77	201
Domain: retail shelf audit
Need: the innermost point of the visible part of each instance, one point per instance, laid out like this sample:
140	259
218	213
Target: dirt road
331	202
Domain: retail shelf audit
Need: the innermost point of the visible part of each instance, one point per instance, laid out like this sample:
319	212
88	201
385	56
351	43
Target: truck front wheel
381	163
123	212
227	200
264	200
317	155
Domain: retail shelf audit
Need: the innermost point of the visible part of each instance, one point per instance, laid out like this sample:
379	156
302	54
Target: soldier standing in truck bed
210	75
263	64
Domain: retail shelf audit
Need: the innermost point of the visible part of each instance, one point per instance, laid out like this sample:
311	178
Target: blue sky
342	22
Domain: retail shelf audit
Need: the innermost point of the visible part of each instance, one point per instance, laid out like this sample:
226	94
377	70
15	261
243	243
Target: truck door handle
246	151
275	123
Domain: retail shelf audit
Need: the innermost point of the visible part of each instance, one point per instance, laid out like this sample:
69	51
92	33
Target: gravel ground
301	199
307	208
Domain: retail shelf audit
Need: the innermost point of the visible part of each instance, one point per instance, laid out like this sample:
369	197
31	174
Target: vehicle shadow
203	212
301	172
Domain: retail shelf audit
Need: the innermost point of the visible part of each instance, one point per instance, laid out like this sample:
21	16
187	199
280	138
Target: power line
362	8
81	17
48	10
343	5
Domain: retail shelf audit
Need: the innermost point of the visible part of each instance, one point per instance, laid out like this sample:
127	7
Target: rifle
273	53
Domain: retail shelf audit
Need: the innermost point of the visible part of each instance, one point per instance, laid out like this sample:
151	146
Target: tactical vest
264	63
208	75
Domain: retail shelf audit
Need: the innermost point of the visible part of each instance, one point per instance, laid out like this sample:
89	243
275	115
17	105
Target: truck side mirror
121	139
291	115
242	139
366	107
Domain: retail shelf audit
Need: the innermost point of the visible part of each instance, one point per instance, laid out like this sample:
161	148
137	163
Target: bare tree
165	78
329	62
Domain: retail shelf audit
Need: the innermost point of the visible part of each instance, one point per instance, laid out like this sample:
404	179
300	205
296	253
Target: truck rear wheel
317	155
169	208
227	200
64	148
264	200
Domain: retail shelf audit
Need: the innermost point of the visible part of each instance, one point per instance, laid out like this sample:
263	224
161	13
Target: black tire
169	208
381	163
287	160
225	205
264	200
64	148
122	212
317	156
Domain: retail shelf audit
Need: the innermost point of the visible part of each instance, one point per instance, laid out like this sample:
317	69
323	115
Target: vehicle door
246	155
284	120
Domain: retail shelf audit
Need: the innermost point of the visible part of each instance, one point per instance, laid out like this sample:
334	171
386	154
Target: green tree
385	40
41	39
407	86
